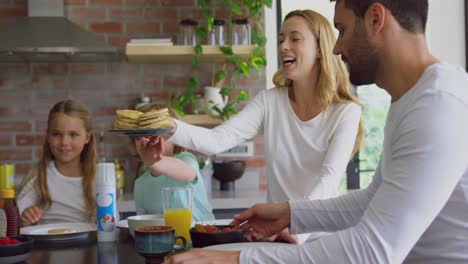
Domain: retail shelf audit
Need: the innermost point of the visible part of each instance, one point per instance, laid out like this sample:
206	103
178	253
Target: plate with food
141	132
59	231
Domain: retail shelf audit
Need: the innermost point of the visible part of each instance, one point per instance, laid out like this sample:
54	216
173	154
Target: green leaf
226	50
193	82
242	96
220	75
179	110
209	19
254	64
217	110
200	32
224	91
195	62
202	3
198	49
244	68
235	8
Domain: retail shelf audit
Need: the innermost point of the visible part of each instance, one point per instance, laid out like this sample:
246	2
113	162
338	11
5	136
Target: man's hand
264	220
31	215
204	256
284	237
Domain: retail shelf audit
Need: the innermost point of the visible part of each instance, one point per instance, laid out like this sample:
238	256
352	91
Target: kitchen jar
217	35
240	32
188	32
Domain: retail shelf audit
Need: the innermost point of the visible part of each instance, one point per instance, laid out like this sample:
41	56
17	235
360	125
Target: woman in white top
310	122
61	187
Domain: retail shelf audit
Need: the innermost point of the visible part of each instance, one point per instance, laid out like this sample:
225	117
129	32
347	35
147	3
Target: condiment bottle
11	212
106	206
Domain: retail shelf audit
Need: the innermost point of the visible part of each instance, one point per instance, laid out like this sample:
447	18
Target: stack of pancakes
131	119
126	119
155	119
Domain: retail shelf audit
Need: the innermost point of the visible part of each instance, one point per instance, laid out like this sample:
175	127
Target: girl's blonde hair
88	157
154	106
333	84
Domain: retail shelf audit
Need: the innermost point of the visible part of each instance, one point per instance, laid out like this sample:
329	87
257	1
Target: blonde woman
310	121
61	187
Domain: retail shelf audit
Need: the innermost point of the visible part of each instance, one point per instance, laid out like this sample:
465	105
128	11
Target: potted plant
234	66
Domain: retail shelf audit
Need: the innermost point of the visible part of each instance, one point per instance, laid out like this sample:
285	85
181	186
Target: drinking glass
178	210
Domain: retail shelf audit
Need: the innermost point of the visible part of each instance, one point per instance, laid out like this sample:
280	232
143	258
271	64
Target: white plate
43	229
122	223
215	222
240	246
83	231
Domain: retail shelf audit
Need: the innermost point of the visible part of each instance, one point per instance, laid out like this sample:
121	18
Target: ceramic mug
212	98
156	242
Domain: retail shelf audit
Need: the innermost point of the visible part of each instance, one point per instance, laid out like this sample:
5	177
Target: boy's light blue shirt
148	191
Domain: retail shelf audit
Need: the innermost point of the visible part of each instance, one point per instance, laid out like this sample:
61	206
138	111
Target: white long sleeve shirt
66	194
304	159
416	208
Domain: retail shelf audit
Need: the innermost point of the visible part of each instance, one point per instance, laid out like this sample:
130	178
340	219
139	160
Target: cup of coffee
156	242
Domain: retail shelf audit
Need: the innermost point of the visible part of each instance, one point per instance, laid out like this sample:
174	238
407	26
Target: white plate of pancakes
137	124
141	132
58	231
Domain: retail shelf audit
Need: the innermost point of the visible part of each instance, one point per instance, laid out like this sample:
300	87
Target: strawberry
225	230
210	229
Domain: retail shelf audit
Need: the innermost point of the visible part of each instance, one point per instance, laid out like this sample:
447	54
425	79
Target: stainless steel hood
50	39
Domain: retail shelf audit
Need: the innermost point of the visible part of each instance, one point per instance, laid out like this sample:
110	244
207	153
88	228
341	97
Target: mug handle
184	243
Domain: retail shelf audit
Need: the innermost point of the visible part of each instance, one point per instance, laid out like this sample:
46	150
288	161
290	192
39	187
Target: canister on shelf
217	35
240	32
188	34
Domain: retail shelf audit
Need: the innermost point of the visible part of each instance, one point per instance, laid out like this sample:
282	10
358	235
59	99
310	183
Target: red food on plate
213	229
8	241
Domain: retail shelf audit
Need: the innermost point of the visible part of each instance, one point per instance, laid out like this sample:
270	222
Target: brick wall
29	90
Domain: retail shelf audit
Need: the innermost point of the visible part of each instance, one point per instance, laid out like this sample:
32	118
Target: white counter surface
243	198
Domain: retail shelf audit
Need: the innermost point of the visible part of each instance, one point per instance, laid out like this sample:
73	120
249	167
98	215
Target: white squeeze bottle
106	207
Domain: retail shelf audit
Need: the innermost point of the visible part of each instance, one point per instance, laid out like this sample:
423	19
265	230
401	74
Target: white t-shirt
416	208
66	194
304	159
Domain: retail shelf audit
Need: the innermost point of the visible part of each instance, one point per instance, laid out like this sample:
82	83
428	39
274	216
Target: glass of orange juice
178	210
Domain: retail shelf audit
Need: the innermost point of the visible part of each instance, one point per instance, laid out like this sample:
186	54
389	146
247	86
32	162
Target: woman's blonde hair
333	84
88	157
154	106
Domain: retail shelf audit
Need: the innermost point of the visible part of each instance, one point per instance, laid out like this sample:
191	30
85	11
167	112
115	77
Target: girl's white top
66	194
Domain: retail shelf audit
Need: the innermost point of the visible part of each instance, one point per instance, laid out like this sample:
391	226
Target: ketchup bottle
12	212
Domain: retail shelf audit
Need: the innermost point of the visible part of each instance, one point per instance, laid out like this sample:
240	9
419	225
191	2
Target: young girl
167	165
60	188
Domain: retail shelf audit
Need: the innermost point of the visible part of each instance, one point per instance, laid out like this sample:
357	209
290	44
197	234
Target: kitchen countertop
242	198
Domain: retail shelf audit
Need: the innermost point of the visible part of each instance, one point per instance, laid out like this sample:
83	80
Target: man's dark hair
410	14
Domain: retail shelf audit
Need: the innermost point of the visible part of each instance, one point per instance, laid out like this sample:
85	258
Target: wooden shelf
180	54
202	120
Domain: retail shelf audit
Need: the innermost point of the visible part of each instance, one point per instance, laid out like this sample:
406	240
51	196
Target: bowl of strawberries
15	249
208	235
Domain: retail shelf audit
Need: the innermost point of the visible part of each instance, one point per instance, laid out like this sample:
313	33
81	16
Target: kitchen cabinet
142	53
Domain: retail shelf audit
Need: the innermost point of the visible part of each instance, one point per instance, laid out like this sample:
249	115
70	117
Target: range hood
50	38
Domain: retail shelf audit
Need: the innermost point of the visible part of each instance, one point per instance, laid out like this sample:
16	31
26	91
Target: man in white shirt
416	208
